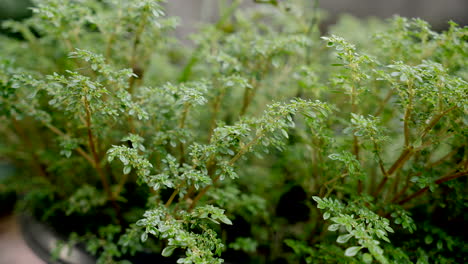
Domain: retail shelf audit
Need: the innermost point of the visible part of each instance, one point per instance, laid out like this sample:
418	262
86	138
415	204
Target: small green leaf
285	134
344	238
326	215
428	239
317	199
333	227
389	229
127	169
352	251
167	251
403	78
231	152
124	160
225	220
367	258
144	237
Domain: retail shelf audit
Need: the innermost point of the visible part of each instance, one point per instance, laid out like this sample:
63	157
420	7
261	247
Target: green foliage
192	233
246	244
84	199
360	223
160	147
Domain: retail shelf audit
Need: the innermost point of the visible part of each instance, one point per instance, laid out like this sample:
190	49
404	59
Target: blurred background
436	12
192	12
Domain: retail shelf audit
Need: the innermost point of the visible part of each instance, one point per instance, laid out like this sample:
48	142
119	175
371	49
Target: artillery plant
227	149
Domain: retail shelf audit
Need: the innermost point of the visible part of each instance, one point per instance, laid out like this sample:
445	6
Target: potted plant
142	145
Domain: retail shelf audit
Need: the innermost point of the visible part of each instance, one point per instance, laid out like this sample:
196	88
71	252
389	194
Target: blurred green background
14	9
436	12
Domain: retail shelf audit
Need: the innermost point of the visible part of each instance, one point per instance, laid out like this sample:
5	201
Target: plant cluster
263	142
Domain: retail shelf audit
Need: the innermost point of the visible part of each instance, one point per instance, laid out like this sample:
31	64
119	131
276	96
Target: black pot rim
42	240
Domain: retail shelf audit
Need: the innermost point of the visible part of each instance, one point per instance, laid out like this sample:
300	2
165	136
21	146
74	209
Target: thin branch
181	126
92	147
184	115
435	120
214	115
406	120
449	177
404	156
247	98
405	188
381	164
174	193
79	149
245	149
250	92
177	190
427	167
101	174
354	94
325	185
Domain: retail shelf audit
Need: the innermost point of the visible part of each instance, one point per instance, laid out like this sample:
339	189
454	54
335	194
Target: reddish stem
449	177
